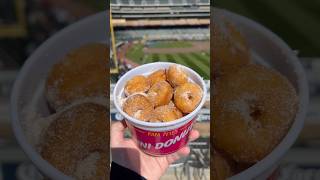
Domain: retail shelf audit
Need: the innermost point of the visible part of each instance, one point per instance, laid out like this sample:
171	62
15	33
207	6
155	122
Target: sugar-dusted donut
80	74
160	93
137	84
138	106
187	97
253	110
222	167
157	76
167	113
230	49
176	75
92	167
73	135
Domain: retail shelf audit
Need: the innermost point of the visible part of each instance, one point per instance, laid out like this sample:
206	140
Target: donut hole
255	110
255	113
188	96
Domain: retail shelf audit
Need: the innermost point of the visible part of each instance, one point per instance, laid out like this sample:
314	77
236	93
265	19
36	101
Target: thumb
117	132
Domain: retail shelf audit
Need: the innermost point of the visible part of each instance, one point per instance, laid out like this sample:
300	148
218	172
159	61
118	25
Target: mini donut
80	74
222	167
167	113
160	93
138	106
176	76
187	97
230	49
253	110
102	169
138	84
94	166
74	134
159	75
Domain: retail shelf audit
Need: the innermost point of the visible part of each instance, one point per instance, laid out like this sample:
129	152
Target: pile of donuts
253	106
75	141
164	95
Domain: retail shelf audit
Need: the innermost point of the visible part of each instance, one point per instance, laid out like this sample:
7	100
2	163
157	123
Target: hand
127	154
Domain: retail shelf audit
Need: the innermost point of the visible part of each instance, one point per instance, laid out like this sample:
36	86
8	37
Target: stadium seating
125	1
137	2
159	2
164	34
160	8
177	1
164	2
204	1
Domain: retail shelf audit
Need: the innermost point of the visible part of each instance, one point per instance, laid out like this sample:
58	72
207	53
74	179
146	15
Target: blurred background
297	23
24	25
145	31
142	31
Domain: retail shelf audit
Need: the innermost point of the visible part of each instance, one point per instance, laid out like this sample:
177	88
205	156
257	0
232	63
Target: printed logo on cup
163	143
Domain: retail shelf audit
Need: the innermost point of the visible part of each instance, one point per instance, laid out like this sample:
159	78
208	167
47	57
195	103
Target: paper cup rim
142	124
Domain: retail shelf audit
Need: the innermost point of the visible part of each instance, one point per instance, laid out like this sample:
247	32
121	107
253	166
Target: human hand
127	154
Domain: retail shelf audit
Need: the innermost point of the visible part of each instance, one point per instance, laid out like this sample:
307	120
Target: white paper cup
159	138
30	80
268	49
